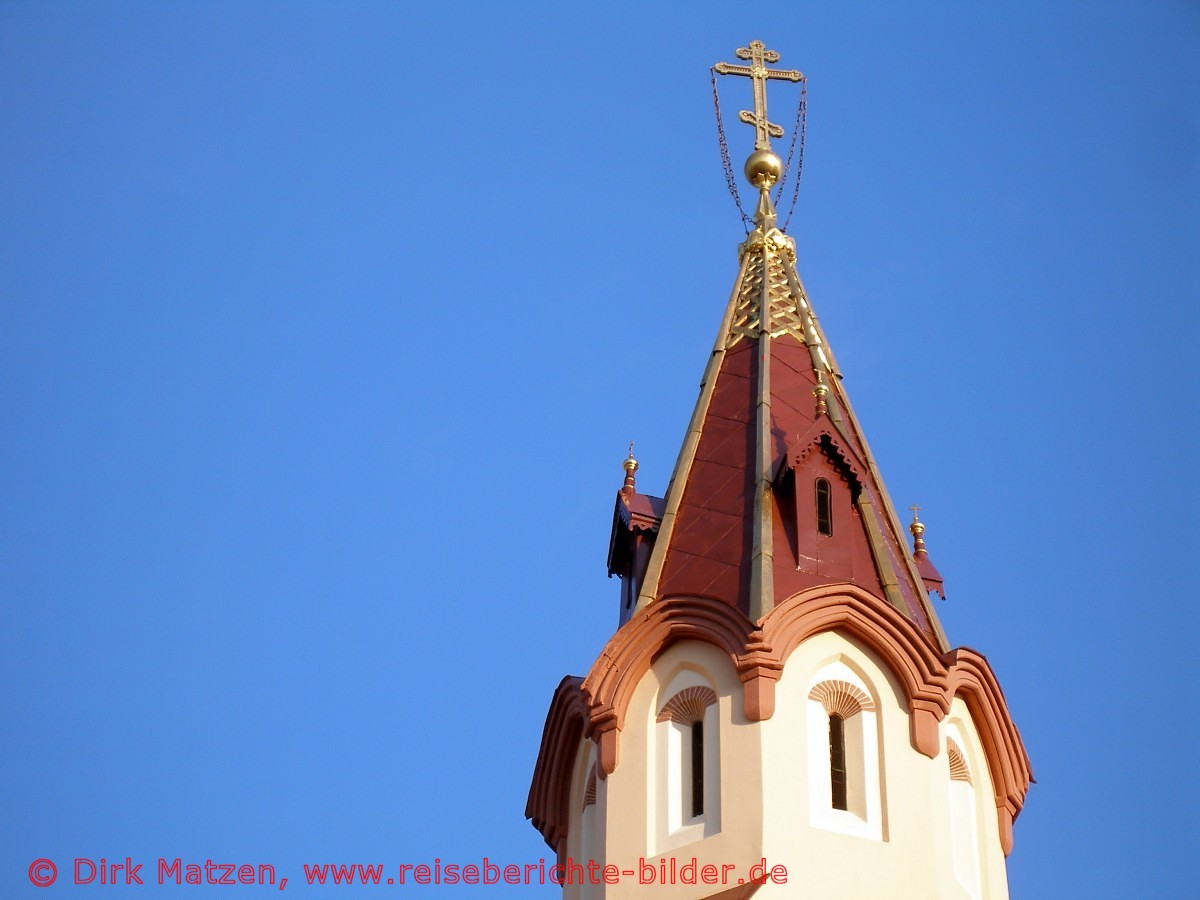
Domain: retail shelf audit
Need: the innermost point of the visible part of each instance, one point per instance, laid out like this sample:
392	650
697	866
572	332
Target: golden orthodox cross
758	72
915	510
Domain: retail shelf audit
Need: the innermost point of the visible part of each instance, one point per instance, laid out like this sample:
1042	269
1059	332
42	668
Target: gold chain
801	129
730	179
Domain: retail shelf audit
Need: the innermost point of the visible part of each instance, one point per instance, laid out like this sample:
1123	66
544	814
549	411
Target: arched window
824	507
963	826
687	711
688	765
589	790
585	838
843	753
844	704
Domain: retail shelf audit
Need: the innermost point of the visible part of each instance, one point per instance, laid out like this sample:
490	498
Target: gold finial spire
918	530
758	73
630	465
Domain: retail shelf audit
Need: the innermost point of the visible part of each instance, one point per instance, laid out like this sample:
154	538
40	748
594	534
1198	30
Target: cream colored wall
901	848
632	820
993	871
911	856
581	840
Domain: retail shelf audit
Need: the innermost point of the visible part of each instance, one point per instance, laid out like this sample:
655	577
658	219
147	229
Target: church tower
779	713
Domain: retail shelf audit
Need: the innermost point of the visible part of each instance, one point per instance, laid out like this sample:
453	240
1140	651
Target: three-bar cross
758	72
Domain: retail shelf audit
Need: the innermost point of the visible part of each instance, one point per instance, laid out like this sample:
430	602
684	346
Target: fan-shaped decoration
958	763
841	698
589	792
688	705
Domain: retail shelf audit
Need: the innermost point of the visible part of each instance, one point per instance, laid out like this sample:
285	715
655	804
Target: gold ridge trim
766	276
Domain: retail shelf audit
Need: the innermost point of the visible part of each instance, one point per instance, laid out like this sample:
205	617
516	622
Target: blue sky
323	329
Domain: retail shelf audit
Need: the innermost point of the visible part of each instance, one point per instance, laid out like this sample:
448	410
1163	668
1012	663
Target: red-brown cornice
915	662
548	804
971	678
612	680
929	679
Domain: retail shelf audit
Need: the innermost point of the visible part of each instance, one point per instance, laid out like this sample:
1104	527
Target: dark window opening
837	761
824	508
697	769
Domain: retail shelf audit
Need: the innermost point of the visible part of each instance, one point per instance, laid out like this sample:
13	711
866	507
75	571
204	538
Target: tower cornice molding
596	706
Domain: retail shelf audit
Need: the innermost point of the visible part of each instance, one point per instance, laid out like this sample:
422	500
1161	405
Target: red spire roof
775	490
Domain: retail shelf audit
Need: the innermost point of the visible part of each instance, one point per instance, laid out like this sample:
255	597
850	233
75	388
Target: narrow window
824	508
697	769
837	761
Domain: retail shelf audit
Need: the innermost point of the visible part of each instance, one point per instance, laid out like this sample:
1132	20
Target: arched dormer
819	485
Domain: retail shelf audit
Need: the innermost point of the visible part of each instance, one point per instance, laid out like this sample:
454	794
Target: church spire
776	552
773	493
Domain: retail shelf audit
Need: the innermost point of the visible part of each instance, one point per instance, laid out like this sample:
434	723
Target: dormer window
824	508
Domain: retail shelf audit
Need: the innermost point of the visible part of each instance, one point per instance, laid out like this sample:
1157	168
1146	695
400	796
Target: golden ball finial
630	465
763	168
917	528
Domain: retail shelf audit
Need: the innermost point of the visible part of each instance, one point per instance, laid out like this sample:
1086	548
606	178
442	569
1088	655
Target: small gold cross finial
915	510
758	73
